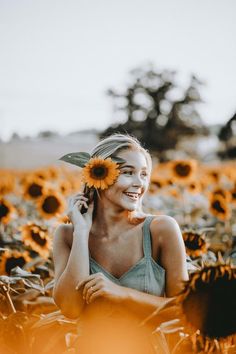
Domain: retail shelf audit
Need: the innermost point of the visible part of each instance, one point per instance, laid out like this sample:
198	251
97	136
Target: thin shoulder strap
147	245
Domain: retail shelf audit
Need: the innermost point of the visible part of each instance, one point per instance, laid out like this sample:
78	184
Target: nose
137	181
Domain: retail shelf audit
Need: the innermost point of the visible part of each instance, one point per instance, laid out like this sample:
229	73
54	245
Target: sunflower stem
183	200
178	344
6	291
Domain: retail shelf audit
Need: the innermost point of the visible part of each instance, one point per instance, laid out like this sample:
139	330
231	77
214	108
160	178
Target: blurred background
74	71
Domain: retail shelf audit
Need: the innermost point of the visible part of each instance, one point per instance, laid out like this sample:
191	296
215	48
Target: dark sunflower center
215	175
210	306
50	204
219	192
218	207
38	239
4	210
99	172
193	244
41	176
158	184
35	190
182	169
12	262
234	194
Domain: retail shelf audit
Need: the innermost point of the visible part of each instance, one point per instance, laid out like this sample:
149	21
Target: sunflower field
202	198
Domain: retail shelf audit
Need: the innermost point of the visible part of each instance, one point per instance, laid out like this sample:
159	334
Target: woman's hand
98	285
84	221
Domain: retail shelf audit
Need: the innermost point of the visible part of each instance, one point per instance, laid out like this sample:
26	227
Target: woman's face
132	182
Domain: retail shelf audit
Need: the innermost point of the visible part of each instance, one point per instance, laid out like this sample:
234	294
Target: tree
152	112
227	134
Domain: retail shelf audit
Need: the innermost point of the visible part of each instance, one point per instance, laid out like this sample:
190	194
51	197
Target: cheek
122	181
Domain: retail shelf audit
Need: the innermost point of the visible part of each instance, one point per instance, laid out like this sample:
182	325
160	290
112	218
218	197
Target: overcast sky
58	58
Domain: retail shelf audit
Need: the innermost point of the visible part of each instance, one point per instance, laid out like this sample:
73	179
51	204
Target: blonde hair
114	143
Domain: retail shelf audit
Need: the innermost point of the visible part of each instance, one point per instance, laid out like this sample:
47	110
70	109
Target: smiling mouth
132	196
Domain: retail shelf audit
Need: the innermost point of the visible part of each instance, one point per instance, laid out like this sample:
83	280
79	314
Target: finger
95	295
82	197
81	203
90	292
75	198
87	286
84	204
77	195
84	281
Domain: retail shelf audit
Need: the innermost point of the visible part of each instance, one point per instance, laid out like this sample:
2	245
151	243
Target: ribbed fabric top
146	275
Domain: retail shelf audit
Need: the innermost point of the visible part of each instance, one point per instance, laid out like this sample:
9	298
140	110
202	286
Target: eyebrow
130	166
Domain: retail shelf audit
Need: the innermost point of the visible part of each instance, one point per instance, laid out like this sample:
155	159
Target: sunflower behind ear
97	172
100	173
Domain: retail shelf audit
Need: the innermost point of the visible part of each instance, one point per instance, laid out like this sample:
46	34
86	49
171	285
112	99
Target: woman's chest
119	254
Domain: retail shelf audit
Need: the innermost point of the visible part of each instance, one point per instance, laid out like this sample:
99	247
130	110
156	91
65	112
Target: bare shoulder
165	228
64	234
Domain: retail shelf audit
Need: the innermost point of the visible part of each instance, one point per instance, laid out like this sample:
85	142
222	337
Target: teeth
132	195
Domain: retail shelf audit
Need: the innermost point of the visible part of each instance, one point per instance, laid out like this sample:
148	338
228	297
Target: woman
114	264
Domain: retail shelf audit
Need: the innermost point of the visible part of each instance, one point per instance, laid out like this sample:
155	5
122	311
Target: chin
131	207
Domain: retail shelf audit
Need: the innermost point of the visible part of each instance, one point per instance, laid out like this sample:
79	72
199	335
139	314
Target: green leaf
118	160
76	158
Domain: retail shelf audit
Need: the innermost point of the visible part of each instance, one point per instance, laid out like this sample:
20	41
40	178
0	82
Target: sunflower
156	185
174	193
6	210
159	181
65	187
7	182
183	170
195	243
100	173
219	208
51	204
63	219
219	191
75	182
208	305
12	258
233	195
211	173
33	187
41	173
37	238
194	187
53	172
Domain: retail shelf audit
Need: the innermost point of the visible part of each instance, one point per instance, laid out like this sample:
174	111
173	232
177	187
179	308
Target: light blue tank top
146	275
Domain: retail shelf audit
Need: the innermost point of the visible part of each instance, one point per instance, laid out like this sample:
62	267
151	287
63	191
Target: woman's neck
110	222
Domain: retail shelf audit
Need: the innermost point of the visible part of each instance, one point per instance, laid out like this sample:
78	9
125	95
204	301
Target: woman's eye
128	172
144	174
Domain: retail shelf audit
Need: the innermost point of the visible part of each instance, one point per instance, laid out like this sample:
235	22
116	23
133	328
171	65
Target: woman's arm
71	265
71	258
173	254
